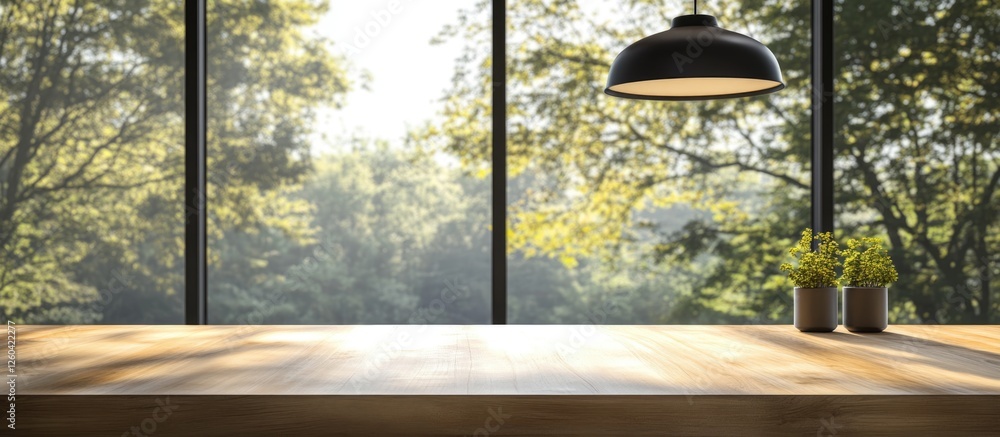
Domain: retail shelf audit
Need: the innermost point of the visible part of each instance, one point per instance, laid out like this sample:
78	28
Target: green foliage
918	150
816	268
916	122
665	212
867	264
392	233
91	159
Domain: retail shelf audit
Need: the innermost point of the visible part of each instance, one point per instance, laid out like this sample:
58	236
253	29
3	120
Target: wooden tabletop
505	360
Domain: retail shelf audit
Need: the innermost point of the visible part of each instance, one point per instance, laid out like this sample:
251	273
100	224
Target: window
917	150
327	204
350	161
91	162
626	211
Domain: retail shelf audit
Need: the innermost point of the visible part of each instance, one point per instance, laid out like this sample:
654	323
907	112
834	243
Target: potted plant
815	281
868	270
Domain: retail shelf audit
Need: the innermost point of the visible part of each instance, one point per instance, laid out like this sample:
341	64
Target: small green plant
867	264
816	268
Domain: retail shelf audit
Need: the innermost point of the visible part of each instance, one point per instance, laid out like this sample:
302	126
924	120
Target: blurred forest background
620	211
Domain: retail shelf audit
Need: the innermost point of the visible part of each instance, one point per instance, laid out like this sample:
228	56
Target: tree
91	173
917	112
400	238
743	163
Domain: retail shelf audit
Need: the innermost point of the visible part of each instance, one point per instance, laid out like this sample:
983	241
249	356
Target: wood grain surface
506	380
506	360
461	415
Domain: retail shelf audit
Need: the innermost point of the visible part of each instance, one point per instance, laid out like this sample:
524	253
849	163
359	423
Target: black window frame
195	241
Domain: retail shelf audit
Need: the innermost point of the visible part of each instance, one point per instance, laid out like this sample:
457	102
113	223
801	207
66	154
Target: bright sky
408	74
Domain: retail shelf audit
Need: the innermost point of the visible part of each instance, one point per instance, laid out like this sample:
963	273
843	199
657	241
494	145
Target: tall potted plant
868	270
815	281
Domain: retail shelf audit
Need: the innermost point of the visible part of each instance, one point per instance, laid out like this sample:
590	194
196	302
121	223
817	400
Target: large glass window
644	212
91	161
350	159
917	149
328	202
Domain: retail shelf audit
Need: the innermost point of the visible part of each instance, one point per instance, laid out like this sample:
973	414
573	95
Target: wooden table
507	380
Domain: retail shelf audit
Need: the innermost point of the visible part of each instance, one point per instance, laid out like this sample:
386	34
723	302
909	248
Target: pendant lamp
694	60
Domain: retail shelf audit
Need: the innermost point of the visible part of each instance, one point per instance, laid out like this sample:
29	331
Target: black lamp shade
694	60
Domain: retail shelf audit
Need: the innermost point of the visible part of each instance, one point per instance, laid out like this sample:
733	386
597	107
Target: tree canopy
620	211
91	158
916	148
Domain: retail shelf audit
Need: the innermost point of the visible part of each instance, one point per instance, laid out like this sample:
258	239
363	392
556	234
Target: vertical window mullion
499	171
195	260
822	115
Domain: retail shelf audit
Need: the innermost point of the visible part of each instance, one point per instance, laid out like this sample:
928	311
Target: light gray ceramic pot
816	309
866	309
